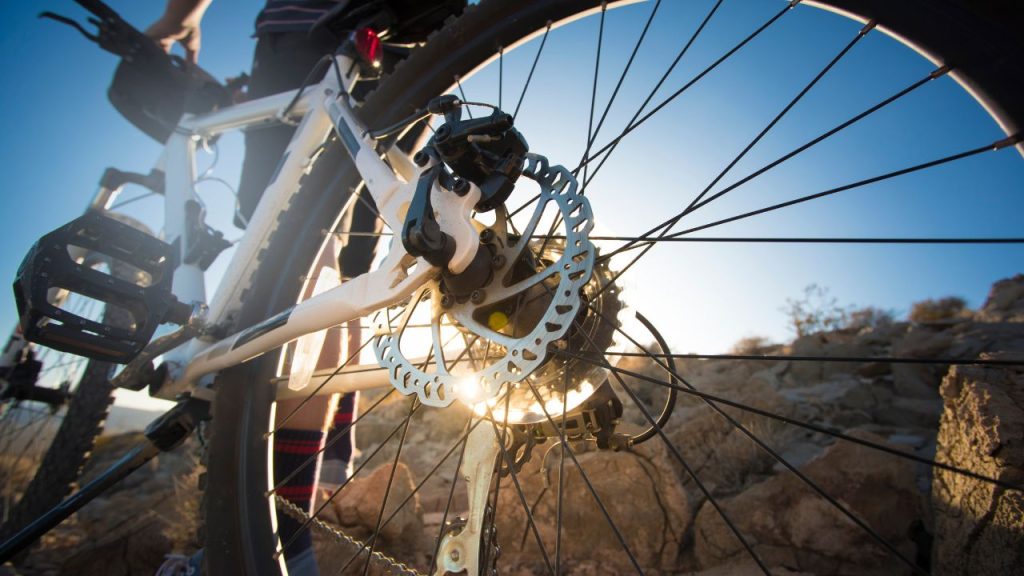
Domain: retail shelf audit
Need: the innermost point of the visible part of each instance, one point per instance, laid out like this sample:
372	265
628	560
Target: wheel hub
534	302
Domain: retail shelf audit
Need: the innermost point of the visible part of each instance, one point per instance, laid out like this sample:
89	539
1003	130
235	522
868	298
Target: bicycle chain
392	566
379	559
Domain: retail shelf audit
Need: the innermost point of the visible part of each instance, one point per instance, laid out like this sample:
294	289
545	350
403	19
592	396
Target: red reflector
368	45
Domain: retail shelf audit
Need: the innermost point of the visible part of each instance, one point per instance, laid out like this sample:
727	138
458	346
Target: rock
1005	302
979	527
837	344
640	491
725	459
920	380
789	525
910	413
356	508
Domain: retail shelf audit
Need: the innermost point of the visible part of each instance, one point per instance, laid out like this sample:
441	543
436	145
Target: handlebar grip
98	8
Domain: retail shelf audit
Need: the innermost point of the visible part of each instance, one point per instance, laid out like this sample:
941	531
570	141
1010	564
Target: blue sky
60	133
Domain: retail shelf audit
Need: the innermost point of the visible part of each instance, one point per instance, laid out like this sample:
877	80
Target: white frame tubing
323	107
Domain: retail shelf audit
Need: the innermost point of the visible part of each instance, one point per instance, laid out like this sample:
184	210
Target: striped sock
291	450
338	455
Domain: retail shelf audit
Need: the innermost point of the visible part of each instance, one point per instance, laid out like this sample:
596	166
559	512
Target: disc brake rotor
532	303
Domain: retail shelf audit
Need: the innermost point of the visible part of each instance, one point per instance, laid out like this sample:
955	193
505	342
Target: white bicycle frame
322	107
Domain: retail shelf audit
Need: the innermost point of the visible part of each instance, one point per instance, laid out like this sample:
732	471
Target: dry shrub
183	519
817	311
930	310
870	317
751	345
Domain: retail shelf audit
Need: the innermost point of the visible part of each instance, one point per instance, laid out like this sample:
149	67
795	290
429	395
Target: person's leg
298	443
354	259
281	63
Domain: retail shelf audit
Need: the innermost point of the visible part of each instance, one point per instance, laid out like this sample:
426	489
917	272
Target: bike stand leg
164	434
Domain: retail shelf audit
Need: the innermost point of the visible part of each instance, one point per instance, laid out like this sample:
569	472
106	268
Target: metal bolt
486	235
477	296
499	261
454	555
461	187
421	158
447	301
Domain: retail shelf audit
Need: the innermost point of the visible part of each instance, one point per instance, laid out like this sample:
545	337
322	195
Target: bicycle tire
82	423
62	464
239	515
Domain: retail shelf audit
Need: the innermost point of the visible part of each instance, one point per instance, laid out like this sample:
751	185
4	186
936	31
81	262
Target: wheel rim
552	560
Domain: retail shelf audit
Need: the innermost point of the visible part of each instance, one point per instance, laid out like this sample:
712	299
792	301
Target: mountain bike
497	314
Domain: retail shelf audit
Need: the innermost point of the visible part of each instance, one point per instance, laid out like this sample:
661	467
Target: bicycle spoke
561	473
448	504
391	479
416	490
331	442
317	389
618	85
794	240
787	420
835	60
778	458
660	83
634	125
848	359
373	209
504	436
995	146
458	82
529	76
363	234
937	73
593	90
586	479
764	131
348	480
679	457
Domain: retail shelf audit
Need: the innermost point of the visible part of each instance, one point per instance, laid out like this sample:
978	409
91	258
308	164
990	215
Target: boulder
979	527
725	459
1005	301
357	507
788	525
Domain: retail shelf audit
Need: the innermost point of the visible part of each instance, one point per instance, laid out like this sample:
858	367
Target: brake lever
72	23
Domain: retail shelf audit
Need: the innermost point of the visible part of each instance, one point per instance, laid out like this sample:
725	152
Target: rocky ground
967	416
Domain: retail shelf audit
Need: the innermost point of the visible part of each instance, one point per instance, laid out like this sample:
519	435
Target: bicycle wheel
50	421
473	57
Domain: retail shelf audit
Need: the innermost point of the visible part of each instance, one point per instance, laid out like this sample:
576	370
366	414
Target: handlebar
99	9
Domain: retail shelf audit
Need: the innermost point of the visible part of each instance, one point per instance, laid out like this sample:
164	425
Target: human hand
166	32
180	23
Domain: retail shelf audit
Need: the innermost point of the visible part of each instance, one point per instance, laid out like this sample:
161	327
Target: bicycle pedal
135	288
